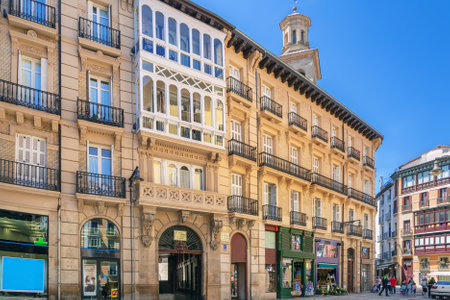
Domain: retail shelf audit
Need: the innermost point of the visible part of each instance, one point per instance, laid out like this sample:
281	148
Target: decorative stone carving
216	226
214	157
184	215
32	33
250	224
83	133
147	221
240	223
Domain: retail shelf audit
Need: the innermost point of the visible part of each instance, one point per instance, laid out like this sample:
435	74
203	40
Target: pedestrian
389	284
431	282
413	286
379	282
393	283
384	283
409	288
424	285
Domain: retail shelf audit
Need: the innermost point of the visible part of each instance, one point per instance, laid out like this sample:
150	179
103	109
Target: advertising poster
309	290
89	278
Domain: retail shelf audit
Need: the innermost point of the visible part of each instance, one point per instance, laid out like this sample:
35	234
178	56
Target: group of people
407	287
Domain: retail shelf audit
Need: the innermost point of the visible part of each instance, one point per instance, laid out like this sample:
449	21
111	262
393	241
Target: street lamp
436	169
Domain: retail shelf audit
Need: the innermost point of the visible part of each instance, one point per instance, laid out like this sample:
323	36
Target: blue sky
388	61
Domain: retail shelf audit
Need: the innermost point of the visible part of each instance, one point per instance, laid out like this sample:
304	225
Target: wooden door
350	276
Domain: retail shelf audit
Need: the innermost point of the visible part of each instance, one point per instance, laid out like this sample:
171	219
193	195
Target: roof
384	188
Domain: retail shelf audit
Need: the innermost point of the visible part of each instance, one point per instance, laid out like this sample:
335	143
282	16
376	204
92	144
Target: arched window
206	46
208	111
218	54
196	41
171	175
160	34
161	97
147	21
173	94
219	115
184	37
172	31
294	37
185	177
147	91
185	105
199	179
197	108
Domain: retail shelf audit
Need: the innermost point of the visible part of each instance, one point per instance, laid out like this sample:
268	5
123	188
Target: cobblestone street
370	296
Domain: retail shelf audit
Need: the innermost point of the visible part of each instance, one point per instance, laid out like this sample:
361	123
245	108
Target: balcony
337	144
385	255
274	162
29	97
99	184
319	133
29	175
271	106
426	185
100	113
355	194
239	88
355	230
393	253
353	153
443	200
394	233
395	209
406	207
337	227
385	235
298	218
98	33
367	234
388	216
424	203
329	183
369	162
241	149
319	223
406	231
242	205
271	212
296	120
34	11
407	251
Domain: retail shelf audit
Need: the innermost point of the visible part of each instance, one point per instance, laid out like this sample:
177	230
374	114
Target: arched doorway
350	267
238	267
180	264
100	260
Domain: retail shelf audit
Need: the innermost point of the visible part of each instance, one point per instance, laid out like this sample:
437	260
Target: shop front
327	264
295	263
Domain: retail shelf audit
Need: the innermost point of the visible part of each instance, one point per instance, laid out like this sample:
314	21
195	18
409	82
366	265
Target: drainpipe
59	156
360	268
342	249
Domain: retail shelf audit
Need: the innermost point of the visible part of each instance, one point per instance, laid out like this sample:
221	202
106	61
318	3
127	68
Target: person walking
424	285
384	283
393	283
430	284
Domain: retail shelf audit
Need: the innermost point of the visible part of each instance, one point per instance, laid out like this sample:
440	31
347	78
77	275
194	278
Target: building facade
150	147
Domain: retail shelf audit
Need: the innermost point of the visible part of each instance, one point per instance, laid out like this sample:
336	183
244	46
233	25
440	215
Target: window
99	92
336	212
178	174
445	172
156	172
367	187
266	91
316	165
267	144
295	201
208	111
235	73
197	108
296	242
218	52
100	27
31	151
185	105
147	21
219	115
366	221
173	101
270	194
317	207
161	97
199	183
294	37
408	181
407	226
294	155
172	31
351	214
184	38
172	175
236	130
350	141
147	94
195	41
333	131
159	23
293	107
185	177
336	173
206	46
350	180
443	193
99	160
424	177
33	74
302	36
236	184
316	120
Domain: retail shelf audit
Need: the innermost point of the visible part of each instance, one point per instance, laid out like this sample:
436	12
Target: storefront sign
114	293
180	235
90	278
225	237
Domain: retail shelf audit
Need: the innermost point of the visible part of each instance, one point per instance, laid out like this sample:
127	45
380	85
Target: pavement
372	296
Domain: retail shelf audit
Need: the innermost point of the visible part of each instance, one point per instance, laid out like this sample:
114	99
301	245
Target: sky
386	60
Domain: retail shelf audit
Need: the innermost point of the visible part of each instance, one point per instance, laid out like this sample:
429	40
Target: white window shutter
19	72
88	86
27	149
44	72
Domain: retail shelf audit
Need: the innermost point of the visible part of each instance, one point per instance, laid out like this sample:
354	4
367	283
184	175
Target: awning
380	267
326	266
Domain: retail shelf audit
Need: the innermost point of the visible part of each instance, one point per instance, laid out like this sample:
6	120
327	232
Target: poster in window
365	253
163	266
90	278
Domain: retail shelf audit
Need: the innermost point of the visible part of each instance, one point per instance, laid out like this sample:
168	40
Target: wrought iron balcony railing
352	152
424	203
329	183
241	149
29	175
98	33
319	133
271	212
443	199
34	11
239	88
406	207
99	184
298	121
320	223
100	113
355	230
29	97
337	227
368	234
274	162
298	218
243	205
406	231
337	143
355	194
271	106
394	233
368	161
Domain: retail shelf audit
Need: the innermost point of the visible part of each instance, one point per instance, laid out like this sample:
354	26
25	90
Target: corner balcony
296	123
338	144
320	135
298	218
100	113
354	230
34	11
354	154
241	89
443	200
367	234
272	212
270	108
368	162
96	36
29	175
319	223
363	197
101	185
236	147
424	203
242	205
337	227
29	97
329	183
407	207
274	162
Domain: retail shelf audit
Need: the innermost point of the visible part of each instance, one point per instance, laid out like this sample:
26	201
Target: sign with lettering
225	237
180	235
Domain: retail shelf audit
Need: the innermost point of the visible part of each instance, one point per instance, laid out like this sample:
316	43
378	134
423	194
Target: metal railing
271	106
406	207
443	200
388	215
100	113
99	33
368	161
239	88
29	175
274	162
385	235
355	230
367	234
298	121
34	11
99	184
424	203
329	183
319	133
243	205
29	97
355	194
298	218
337	143
394	233
352	152
406	231
337	227
320	223
271	212
241	149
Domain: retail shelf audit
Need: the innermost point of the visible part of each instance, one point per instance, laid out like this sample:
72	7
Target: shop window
286	273
147	21
326	250
365	253
296	242
271	278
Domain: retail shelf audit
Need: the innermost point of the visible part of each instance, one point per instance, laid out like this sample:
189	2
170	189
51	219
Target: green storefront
295	256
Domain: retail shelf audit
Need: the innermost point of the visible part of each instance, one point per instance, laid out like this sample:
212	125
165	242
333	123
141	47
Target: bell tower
296	51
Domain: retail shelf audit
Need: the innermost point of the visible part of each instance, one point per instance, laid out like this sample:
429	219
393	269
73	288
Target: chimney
381	181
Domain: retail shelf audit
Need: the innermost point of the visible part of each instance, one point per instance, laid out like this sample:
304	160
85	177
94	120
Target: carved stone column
216	226
147	220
